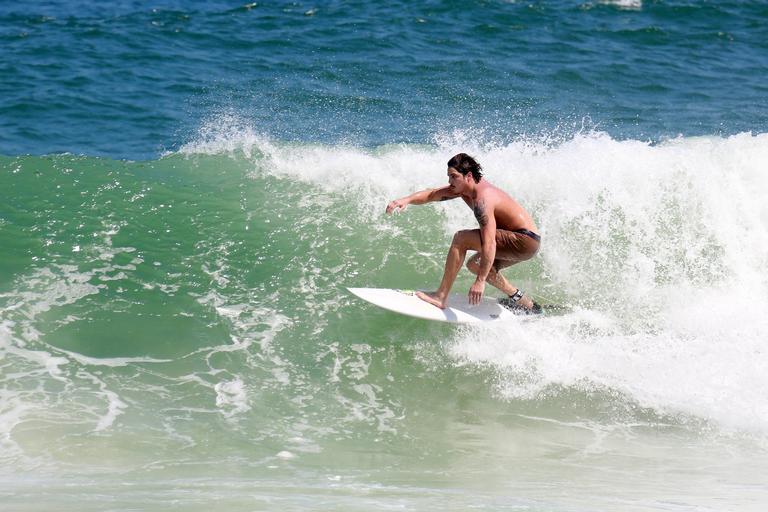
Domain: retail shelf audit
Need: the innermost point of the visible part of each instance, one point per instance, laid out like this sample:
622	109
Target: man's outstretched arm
421	197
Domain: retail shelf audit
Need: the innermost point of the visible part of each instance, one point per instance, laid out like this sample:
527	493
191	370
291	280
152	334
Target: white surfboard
459	310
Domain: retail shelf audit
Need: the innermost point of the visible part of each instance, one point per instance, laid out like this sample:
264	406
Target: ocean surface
187	189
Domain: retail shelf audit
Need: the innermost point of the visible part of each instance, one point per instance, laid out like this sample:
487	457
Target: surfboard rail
458	311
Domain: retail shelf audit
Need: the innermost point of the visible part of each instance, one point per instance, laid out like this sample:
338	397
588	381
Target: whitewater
660	248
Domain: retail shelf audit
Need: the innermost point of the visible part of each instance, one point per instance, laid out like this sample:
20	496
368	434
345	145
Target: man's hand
476	292
398	205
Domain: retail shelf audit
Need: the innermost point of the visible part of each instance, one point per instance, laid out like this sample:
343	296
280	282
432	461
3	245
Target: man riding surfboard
507	235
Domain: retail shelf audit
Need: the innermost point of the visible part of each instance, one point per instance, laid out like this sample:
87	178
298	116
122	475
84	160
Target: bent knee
458	238
473	265
465	238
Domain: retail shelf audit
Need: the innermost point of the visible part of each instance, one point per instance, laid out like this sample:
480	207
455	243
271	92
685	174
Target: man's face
456	180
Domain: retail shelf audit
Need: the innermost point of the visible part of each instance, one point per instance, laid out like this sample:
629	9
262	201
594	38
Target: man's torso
508	213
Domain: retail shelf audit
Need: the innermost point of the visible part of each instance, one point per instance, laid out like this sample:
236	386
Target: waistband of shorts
527	233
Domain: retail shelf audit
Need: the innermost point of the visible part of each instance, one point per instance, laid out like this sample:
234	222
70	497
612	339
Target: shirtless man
507	235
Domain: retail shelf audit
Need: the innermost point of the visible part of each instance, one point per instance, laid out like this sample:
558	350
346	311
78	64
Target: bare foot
433	298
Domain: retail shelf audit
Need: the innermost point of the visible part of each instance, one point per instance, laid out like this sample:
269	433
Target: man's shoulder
491	194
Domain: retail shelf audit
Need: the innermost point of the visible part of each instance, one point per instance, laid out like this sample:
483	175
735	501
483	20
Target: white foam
660	247
12	412
112	362
665	246
372	175
231	397
46	288
634	5
115	408
673	202
224	133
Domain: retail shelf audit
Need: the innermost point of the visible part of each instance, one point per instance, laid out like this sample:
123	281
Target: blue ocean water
133	79
188	188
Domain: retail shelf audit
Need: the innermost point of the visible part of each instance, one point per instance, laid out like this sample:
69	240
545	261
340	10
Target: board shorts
515	246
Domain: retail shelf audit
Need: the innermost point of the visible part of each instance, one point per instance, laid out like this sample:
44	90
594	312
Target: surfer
507	235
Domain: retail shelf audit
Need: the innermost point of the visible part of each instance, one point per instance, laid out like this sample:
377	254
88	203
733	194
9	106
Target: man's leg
462	242
499	281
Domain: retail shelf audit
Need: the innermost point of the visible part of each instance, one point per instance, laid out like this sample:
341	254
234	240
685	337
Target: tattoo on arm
480	214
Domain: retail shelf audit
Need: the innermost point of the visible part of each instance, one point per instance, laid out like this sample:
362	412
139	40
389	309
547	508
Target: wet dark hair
464	163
